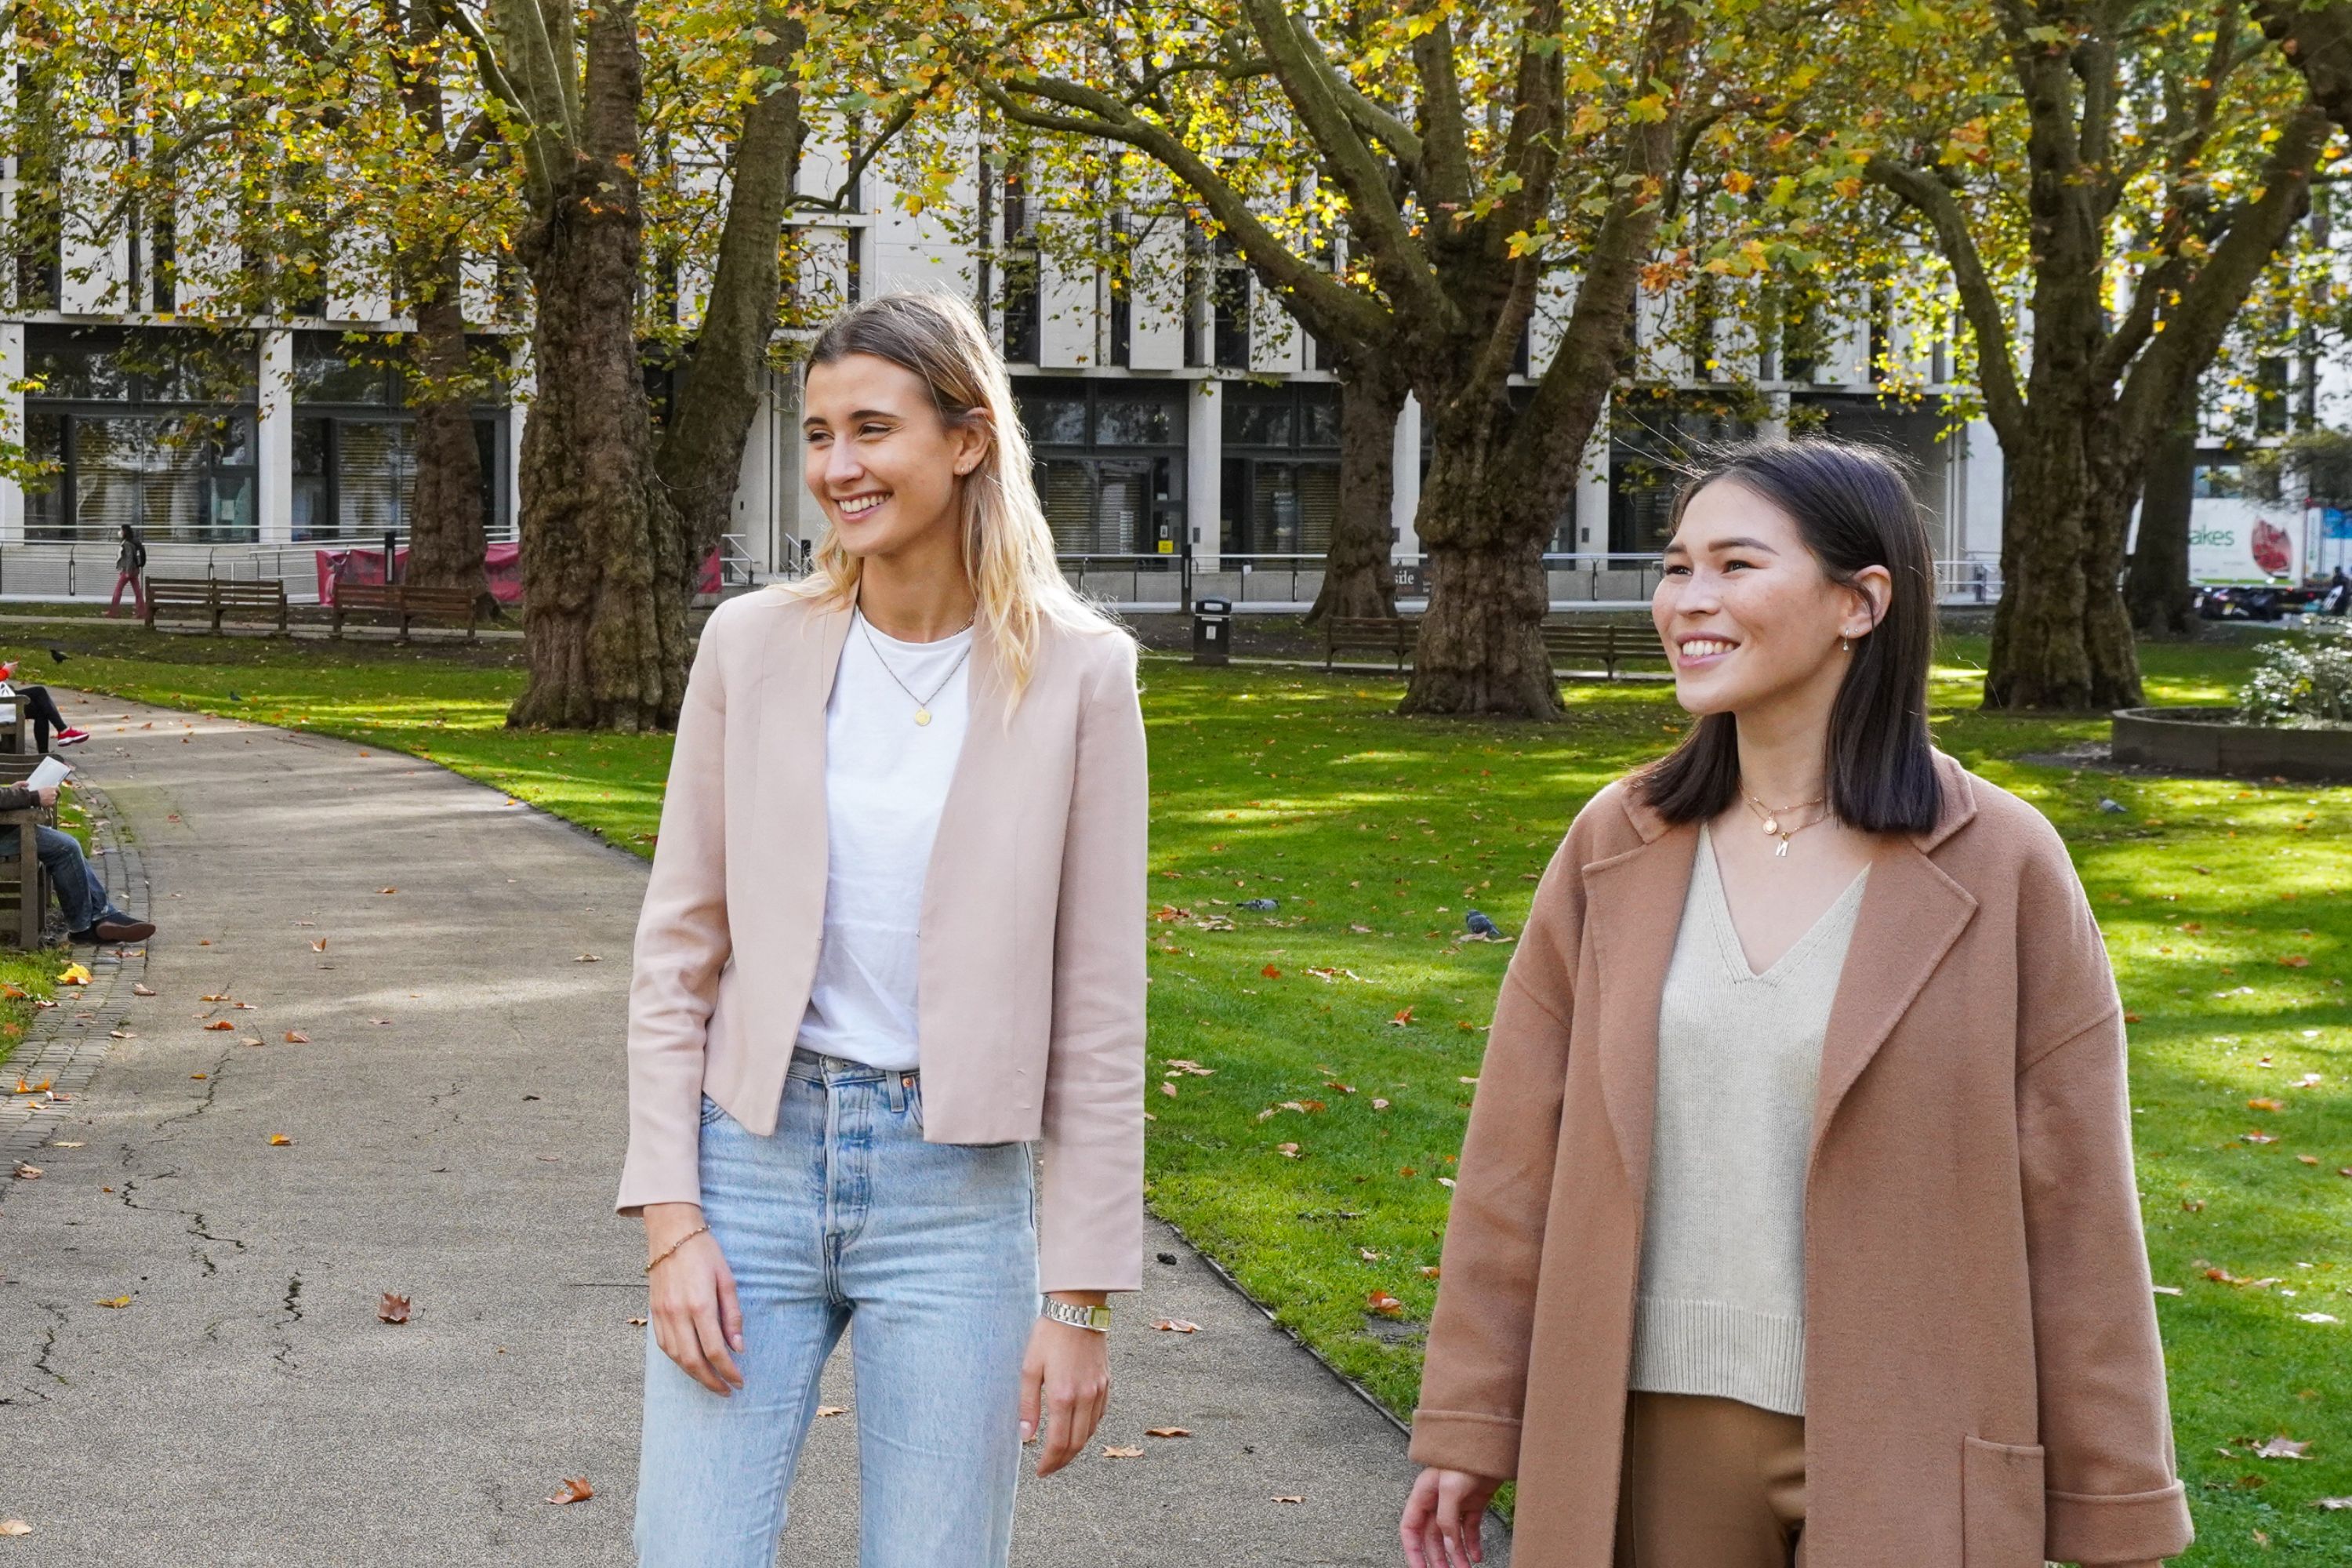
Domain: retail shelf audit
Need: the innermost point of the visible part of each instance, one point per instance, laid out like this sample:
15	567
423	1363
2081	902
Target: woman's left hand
1067	1373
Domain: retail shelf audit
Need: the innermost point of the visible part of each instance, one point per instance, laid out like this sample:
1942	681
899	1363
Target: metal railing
1289	581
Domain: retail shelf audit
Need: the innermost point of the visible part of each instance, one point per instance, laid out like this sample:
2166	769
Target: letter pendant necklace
922	704
1772	824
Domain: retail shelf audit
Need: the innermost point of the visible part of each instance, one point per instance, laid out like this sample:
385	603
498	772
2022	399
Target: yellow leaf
278	1140
74	974
116	1301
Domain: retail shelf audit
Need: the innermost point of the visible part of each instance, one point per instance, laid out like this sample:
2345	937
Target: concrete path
455	1116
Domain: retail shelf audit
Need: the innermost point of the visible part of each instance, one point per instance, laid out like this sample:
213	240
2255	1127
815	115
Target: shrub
2301	683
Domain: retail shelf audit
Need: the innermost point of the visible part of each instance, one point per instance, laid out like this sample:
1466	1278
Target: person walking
893	934
130	568
1796	1219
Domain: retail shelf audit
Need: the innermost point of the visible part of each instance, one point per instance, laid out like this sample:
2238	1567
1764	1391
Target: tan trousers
1710	1483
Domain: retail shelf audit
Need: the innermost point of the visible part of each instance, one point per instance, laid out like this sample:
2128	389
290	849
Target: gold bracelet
674	1246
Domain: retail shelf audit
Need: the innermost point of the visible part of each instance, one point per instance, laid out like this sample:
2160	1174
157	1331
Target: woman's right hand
691	1299
1440	1527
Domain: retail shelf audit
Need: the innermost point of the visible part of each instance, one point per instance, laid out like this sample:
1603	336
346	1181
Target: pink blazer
1030	970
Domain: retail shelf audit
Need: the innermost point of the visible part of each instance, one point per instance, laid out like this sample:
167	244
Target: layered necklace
922	704
1773	823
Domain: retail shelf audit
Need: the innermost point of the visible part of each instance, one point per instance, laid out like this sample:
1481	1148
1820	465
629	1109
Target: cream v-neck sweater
1721	1307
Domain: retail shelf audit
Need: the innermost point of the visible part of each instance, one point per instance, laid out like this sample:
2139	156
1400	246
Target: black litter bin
1213	631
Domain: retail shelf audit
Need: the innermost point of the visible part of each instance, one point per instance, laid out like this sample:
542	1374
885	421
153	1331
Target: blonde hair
1008	548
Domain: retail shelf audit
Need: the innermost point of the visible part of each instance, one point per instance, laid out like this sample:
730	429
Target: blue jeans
845	1212
81	897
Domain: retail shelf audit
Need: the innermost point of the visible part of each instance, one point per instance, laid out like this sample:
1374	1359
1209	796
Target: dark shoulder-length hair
1854	508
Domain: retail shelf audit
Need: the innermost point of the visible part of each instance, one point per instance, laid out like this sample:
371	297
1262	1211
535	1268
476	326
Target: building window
355	440
151	428
1281	480
1109	460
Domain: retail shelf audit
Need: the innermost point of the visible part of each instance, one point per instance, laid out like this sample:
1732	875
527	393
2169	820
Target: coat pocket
2001	1504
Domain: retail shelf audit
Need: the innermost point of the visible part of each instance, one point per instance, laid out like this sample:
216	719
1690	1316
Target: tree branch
1988	318
1336	309
2194	328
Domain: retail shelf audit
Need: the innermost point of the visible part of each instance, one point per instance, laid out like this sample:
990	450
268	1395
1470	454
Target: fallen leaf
576	1488
1403	1018
2308	1159
320	945
278	1140
589	958
115	1301
2318	1318
1288	1151
1291	1500
1166	1432
2330	1503
74	974
1167	1089
17	993
2283	1447
826	1409
2296	960
1379	1104
15	1527
1271	973
220	1024
27	1173
2265	1104
1114	1452
2166	1289
1429	1272
387	890
640	1322
1384	1303
1177	1326
296	1037
392	1309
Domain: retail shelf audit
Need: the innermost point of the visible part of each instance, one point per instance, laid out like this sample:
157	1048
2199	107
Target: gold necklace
922	704
1772	824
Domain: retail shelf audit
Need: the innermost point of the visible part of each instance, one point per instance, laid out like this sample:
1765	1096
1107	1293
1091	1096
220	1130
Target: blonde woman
892	936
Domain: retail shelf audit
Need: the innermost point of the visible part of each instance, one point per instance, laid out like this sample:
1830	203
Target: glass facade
150	427
158	427
1281	478
1109	459
355	444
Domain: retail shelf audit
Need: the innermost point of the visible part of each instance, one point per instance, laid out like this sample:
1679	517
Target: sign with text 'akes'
2237	540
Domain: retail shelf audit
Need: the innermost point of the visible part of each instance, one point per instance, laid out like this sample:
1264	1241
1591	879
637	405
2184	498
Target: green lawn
1338	1031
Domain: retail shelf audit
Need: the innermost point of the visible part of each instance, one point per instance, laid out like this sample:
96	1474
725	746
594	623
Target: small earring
1844	647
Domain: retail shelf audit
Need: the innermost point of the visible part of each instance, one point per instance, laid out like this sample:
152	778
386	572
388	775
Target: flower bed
2215	741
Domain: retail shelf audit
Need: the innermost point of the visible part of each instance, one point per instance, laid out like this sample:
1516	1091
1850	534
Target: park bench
407	603
23	886
213	598
1390	635
1584	647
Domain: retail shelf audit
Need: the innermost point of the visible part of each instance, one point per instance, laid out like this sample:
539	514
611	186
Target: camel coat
1031	945
1984	1387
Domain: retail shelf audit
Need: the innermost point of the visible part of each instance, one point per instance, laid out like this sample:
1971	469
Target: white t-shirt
886	779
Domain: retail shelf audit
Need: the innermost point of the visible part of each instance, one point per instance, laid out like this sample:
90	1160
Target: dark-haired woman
1796	1221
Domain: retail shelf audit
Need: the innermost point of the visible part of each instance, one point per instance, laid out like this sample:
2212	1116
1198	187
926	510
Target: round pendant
922	715
1771	825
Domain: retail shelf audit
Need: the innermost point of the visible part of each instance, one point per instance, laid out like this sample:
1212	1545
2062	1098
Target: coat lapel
800	660
1634	908
1911	915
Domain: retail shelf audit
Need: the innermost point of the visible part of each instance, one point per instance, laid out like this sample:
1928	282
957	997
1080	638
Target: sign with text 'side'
2236	541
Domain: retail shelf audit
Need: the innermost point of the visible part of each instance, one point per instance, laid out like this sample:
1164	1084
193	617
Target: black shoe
107	932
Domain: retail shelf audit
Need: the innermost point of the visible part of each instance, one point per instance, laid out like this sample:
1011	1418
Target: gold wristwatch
1095	1317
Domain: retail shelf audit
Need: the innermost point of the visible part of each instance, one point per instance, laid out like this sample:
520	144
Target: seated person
81	897
43	709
